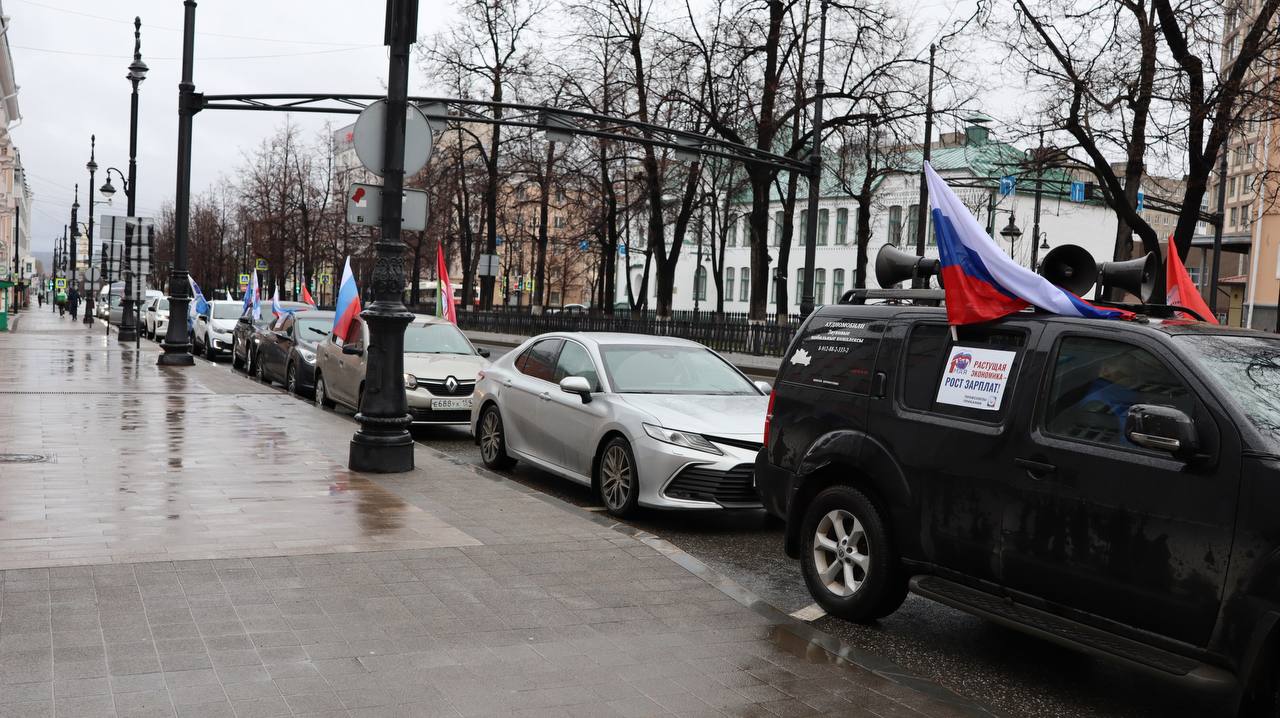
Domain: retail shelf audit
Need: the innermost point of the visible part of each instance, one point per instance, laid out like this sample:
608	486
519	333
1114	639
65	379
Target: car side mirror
1162	428
577	385
204	317
764	386
353	349
483	352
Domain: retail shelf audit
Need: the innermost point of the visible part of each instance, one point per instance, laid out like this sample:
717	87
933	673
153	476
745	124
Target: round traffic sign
368	138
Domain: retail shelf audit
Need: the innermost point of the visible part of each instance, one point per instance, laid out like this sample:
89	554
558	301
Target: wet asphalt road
1012	674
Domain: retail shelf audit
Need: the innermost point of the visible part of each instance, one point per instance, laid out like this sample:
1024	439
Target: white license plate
440	404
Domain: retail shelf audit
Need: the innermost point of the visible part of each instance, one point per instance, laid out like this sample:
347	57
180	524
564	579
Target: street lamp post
1011	232
92	166
75	238
137	73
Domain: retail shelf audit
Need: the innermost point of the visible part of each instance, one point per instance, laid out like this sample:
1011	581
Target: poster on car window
837	354
975	377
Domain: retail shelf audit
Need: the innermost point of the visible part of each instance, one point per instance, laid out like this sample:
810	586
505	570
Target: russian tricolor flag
348	304
982	282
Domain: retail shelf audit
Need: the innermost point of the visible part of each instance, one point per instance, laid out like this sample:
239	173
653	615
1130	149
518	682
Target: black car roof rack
1157	311
922	297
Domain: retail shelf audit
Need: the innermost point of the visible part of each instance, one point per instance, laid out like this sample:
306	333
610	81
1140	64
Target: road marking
809	613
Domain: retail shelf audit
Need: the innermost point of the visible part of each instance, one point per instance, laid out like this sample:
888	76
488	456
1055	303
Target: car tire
291	379
848	558
236	361
322	394
209	352
493	440
261	369
617	479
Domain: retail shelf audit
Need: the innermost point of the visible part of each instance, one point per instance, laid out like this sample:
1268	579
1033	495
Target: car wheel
291	379
493	440
236	361
322	393
848	559
209	352
261	369
617	481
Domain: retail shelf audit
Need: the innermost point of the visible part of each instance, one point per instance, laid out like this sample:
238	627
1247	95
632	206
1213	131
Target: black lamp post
137	73
75	239
1011	232
176	344
92	166
815	172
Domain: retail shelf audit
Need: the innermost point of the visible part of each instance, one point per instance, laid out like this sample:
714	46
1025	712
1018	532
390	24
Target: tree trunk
782	307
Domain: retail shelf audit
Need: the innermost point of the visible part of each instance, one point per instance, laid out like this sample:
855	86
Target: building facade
971	161
15	195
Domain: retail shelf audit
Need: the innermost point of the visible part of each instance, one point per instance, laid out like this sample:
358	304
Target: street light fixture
92	166
1011	232
137	73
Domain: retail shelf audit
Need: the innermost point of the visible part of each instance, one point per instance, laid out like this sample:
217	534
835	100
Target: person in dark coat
73	301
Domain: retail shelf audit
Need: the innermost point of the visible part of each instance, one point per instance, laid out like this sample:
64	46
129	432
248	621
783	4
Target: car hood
222	325
443	366
728	416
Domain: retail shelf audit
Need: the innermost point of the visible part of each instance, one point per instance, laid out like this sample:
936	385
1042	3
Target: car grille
460	416
730	488
438	388
736	443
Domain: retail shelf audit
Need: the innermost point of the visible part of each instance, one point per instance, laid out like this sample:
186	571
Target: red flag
1181	291
306	296
444	288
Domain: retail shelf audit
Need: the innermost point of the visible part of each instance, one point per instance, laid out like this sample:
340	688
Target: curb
791	633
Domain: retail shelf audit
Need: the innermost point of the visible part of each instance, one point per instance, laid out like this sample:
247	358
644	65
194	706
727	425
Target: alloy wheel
616	477
490	437
321	397
291	379
841	552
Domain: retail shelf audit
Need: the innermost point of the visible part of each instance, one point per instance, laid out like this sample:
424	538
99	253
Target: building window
819	286
728	285
1194	274
732	238
777	229
700	284
895	225
824	217
560	198
799	286
1235	216
837	285
842	226
744	283
804	226
912	214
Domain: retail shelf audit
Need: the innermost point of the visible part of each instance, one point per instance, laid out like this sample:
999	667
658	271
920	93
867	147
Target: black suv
1109	485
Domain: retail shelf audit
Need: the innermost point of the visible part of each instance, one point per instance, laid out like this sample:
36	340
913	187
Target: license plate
439	404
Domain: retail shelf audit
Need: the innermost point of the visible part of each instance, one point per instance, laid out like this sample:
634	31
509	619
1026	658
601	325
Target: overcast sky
71	57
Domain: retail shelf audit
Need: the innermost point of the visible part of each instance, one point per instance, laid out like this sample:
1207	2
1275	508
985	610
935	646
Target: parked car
211	332
288	353
102	305
643	420
115	303
155	317
244	337
440	364
1111	486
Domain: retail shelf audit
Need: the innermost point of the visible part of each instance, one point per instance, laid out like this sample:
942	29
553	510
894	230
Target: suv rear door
1107	527
953	443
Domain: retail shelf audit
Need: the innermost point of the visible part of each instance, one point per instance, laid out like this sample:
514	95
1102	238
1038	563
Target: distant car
570	309
643	420
244	338
155	317
440	363
211	333
288	353
115	303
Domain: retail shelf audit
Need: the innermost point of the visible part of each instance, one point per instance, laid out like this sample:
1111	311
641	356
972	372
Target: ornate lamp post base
175	357
383	444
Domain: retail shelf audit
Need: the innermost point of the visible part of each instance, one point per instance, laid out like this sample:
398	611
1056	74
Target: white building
970	161
15	196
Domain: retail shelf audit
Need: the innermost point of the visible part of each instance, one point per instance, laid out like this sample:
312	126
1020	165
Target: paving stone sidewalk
187	542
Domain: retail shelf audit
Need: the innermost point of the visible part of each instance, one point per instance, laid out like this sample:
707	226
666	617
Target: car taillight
768	416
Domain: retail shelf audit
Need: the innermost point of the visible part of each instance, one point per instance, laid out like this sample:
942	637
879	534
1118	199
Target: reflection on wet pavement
146	463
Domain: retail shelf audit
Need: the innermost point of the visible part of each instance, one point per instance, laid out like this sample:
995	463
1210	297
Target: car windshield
1248	370
226	311
312	330
435	339
163	305
638	369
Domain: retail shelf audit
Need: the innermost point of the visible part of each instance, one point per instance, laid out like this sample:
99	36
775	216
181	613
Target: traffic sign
244	279
364	206
60	283
487	266
261	265
324	279
1141	200
1077	191
369	133
1007	185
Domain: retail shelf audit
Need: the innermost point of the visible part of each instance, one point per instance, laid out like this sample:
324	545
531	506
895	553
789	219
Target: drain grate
23	458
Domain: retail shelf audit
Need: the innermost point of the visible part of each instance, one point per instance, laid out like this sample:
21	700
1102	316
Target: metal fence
716	331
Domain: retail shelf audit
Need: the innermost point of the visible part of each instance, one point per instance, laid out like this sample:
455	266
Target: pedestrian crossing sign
324	279
60	283
244	280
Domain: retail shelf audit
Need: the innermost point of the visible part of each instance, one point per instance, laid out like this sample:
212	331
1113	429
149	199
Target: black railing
715	331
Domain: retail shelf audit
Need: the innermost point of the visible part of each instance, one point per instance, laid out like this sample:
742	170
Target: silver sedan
643	420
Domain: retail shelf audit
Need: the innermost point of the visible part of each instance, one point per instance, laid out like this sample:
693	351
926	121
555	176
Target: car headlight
410	381
688	440
307	355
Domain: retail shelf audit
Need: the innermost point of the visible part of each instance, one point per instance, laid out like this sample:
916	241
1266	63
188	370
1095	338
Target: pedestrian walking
73	302
40	299
61	300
